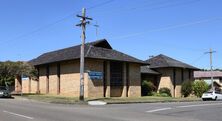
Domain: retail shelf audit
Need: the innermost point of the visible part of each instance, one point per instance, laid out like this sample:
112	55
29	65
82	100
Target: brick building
164	71
108	73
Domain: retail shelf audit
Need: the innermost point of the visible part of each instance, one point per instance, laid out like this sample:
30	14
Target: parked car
212	95
4	92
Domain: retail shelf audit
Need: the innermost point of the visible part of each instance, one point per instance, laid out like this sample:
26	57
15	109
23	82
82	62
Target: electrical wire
168	28
53	23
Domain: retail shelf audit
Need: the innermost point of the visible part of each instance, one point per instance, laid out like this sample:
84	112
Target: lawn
113	100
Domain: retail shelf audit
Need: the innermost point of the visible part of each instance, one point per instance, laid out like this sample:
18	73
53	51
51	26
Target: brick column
108	79
47	79
58	78
124	93
18	84
30	82
38	90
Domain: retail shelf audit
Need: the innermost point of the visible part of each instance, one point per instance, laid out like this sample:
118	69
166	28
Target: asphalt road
27	110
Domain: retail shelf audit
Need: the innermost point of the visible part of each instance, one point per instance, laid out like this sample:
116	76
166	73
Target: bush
148	88
186	88
165	91
199	87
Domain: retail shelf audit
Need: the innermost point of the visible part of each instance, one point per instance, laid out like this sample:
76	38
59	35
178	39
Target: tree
186	89
9	70
199	87
147	88
165	91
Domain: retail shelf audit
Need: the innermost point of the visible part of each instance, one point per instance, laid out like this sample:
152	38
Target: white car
212	95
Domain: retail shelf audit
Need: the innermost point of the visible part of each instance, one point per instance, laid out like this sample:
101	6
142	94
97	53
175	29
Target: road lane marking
198	105
160	109
16	114
183	106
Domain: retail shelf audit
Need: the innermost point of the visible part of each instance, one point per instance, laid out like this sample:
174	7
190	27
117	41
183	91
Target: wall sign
24	78
95	75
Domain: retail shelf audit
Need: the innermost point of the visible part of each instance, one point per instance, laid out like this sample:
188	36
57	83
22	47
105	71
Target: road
27	110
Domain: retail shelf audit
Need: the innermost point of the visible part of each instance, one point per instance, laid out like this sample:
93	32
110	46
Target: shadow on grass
7	98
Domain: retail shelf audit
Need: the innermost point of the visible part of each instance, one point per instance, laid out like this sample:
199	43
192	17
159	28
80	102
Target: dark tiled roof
207	74
162	61
100	49
147	70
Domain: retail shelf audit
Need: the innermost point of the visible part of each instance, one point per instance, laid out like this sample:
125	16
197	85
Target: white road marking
199	105
156	110
184	106
18	115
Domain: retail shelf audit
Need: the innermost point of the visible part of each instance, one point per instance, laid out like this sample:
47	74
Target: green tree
9	70
186	88
199	87
148	88
165	91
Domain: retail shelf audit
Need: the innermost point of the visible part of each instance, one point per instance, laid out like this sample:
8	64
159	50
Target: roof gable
103	43
163	61
100	49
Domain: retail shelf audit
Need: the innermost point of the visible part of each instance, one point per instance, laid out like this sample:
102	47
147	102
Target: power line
169	27
196	60
154	6
53	23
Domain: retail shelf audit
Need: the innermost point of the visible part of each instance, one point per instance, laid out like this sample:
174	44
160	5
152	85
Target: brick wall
70	79
95	87
42	79
134	80
53	79
25	86
167	77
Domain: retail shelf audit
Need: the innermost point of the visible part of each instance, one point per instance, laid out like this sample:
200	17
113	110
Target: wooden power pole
211	67
83	25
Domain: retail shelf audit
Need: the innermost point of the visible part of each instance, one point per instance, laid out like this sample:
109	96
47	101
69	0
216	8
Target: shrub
148	88
199	87
164	91
186	88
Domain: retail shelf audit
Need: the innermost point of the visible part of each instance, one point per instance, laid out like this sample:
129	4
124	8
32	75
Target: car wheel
215	98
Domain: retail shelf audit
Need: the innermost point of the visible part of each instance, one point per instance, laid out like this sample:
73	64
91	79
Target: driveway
27	110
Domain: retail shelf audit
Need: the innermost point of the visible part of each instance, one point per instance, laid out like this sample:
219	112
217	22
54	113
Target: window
116	74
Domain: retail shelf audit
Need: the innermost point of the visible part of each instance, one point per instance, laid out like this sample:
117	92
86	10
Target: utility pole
97	26
211	67
83	25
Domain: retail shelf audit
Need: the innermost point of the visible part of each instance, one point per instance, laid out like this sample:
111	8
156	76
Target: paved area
26	110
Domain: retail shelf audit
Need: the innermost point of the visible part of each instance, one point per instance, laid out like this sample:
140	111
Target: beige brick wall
53	79
178	82
18	84
33	86
69	78
134	80
25	86
29	86
95	87
166	79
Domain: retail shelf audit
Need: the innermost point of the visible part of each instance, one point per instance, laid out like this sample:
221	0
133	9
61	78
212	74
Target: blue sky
181	29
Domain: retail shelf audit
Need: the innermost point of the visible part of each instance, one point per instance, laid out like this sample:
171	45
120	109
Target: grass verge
53	99
113	100
147	99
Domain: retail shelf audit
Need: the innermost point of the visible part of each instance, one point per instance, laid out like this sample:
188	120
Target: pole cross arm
83	17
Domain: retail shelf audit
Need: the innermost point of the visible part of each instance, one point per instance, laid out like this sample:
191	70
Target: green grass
113	100
147	99
53	99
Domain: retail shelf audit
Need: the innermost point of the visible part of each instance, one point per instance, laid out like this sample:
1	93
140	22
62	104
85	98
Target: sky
181	29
